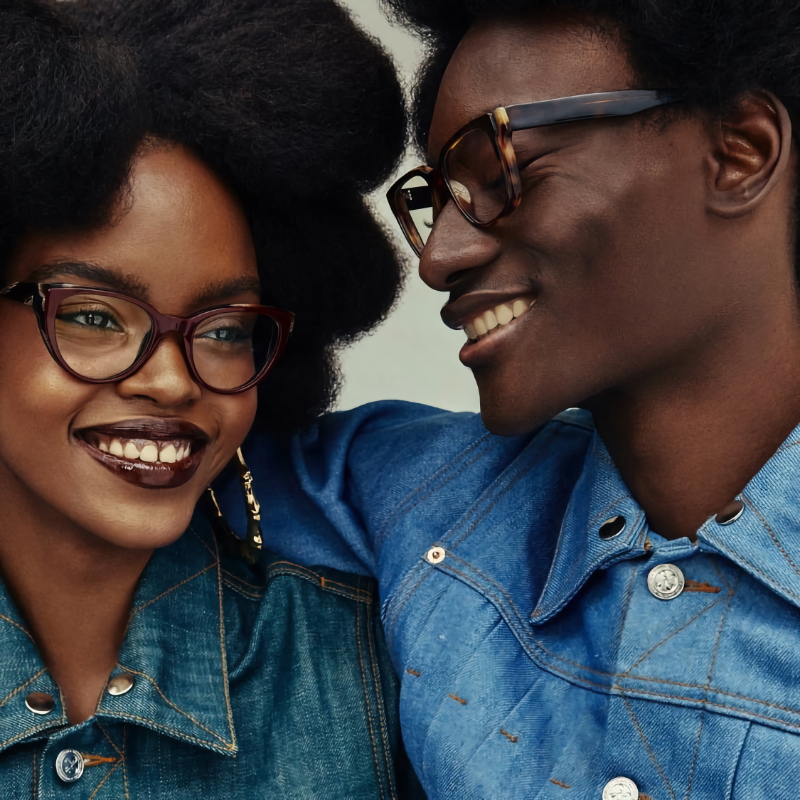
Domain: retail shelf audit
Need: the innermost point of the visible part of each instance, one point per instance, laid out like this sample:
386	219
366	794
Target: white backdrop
412	356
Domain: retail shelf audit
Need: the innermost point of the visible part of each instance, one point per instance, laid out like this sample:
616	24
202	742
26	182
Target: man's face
612	242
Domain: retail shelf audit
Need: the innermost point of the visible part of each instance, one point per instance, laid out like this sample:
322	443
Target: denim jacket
546	647
233	682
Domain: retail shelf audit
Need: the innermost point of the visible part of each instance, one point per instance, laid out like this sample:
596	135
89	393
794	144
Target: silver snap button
665	581
730	513
40	702
612	527
69	766
435	555
121	684
621	789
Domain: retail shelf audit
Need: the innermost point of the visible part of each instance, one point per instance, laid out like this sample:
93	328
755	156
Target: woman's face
632	279
183	244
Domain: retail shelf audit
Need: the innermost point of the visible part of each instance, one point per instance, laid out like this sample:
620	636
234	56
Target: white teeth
496	317
102	447
131	450
504	314
149	454
115	448
168	455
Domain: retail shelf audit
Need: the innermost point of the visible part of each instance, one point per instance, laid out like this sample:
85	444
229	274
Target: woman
603	603
157	191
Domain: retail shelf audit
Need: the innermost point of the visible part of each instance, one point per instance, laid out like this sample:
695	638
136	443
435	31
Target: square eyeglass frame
500	124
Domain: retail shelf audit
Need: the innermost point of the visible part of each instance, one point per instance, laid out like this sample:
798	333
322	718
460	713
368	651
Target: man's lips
150	452
458	313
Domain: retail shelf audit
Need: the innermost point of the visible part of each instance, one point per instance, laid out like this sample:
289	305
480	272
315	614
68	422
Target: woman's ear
751	148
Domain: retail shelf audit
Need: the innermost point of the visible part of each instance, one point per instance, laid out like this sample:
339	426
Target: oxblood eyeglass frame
45	299
500	124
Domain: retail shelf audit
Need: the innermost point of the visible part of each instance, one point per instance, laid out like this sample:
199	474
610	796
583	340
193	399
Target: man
604	603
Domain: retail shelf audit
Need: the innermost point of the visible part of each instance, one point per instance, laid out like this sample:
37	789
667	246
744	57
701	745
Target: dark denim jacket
536	662
267	682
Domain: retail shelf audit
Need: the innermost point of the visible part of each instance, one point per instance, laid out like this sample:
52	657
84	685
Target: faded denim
535	662
270	682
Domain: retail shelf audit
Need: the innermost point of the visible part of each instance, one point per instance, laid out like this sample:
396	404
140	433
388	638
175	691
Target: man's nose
455	248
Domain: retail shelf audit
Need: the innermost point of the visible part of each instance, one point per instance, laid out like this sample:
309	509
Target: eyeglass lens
474	174
100	337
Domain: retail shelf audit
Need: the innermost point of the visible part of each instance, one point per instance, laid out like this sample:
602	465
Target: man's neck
688	441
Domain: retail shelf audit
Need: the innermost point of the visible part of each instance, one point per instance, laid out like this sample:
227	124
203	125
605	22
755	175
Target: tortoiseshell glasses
478	168
102	336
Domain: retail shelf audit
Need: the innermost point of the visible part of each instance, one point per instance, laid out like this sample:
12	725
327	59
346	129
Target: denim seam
317	580
16	625
367	704
637	725
742	749
99	786
149	723
21	687
35	776
202	542
125	761
121	754
379	703
238	589
229	575
440	478
393	617
223	652
531	645
137	609
228	745
772	535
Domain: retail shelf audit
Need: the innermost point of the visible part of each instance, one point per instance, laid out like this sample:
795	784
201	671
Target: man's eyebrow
92	272
215	292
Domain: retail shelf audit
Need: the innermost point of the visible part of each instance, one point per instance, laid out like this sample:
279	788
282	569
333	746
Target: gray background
412	356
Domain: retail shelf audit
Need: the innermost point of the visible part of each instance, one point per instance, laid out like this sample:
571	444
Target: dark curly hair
716	50
298	110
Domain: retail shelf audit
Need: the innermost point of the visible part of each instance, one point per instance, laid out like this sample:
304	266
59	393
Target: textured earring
251	545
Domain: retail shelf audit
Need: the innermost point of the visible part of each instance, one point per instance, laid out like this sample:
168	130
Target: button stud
612	527
69	766
40	702
621	789
435	555
730	513
665	581
121	684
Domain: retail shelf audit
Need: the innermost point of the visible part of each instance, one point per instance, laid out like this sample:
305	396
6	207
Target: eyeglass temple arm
587	106
21	292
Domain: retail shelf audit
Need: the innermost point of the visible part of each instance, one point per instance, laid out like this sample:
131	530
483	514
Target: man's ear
750	155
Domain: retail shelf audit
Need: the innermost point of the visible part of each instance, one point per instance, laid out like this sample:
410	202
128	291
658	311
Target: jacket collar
175	646
764	541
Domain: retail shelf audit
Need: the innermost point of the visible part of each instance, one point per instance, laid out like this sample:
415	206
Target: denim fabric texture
267	682
535	661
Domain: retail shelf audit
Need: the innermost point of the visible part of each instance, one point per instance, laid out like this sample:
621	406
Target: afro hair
296	108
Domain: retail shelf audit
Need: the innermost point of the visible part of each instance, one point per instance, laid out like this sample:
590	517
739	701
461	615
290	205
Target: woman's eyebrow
92	272
214	292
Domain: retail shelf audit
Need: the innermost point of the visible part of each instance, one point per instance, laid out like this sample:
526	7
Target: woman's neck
73	590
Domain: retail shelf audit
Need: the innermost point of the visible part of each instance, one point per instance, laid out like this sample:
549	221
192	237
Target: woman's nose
165	377
454	248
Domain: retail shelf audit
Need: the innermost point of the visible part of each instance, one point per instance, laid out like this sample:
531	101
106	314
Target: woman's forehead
502	62
178	228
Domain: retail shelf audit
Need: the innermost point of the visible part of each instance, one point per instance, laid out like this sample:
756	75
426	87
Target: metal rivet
730	513
69	766
665	581
121	684
612	527
621	789
40	702
435	555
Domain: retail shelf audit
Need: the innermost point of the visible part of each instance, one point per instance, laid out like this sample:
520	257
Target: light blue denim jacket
535	661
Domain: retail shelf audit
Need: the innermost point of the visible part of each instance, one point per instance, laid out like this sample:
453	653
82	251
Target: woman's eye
90	318
227	335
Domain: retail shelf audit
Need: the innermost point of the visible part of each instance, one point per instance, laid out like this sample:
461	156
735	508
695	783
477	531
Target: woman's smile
152	453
